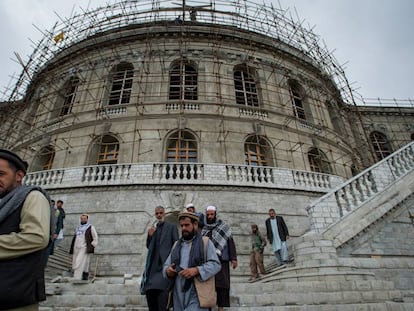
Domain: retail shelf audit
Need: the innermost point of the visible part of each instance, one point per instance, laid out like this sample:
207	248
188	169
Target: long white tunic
81	259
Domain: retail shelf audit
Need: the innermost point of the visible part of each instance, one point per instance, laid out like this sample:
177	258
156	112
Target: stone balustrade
183	173
334	205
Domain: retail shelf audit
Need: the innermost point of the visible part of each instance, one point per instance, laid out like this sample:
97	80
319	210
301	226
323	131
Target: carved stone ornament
177	200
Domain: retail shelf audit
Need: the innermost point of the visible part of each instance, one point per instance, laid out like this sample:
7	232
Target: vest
88	238
21	279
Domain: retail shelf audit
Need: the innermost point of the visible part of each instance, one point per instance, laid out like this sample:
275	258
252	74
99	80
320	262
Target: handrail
350	195
182	173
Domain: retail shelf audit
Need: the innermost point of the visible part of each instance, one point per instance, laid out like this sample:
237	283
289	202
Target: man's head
188	224
254	228
190	208
160	213
272	213
52	203
84	219
12	171
59	203
211	215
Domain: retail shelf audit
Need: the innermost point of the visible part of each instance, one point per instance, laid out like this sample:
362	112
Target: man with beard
220	234
161	237
277	234
258	242
187	261
83	246
24	236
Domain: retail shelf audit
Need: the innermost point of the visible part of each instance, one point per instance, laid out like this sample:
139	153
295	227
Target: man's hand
234	264
151	230
189	272
171	272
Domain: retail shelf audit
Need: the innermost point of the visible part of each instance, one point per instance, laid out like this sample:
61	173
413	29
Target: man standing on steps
191	257
25	233
83	246
191	208
61	218
258	242
220	234
161	237
277	234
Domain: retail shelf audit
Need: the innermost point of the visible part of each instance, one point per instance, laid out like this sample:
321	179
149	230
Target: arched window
181	147
66	97
318	161
257	151
183	82
298	105
44	159
121	84
245	88
380	144
105	150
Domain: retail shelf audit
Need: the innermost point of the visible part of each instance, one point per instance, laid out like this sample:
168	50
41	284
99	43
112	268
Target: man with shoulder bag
192	264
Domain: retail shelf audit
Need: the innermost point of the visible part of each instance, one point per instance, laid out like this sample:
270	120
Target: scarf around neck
14	199
196	256
220	233
81	229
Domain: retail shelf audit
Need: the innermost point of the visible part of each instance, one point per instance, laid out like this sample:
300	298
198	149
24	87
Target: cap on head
15	159
211	208
190	215
189	205
254	226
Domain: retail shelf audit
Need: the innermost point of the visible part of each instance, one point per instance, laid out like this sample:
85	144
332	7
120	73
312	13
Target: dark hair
59	201
272	210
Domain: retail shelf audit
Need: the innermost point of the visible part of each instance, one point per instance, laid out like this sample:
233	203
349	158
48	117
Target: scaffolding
252	17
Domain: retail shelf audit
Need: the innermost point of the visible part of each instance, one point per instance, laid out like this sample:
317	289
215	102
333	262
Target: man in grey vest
25	233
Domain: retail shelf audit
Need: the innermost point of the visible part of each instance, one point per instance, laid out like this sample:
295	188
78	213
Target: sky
372	39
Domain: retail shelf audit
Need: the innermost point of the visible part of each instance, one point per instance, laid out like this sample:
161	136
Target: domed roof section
252	16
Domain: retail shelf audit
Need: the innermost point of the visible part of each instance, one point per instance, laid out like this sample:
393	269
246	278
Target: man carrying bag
192	260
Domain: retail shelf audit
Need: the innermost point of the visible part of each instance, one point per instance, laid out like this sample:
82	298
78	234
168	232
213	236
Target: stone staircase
57	263
324	275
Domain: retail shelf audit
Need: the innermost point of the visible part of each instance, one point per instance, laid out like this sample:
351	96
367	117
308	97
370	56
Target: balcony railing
352	194
183	173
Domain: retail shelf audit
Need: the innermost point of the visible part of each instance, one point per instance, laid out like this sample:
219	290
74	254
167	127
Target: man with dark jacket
24	236
220	234
83	246
277	234
161	237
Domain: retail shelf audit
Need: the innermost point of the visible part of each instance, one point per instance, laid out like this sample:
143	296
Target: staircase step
387	306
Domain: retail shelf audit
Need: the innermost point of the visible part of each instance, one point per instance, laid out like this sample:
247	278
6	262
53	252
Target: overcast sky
373	38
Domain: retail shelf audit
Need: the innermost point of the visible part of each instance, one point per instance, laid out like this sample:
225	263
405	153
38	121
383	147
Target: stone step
120	292
385	306
75	300
318	298
311	286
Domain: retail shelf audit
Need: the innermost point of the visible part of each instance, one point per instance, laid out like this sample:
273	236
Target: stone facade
213	111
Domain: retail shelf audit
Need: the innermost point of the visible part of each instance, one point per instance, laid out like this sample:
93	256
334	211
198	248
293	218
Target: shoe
253	278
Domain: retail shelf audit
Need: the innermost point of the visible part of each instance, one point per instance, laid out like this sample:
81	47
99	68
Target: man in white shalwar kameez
83	245
277	234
